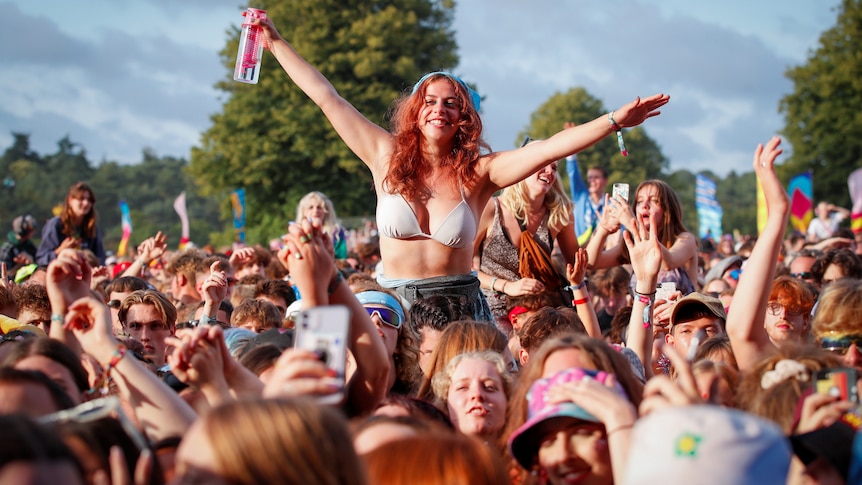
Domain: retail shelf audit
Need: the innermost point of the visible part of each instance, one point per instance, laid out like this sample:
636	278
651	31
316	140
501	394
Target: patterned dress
499	257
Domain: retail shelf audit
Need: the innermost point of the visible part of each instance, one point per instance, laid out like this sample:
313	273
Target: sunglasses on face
805	275
735	274
840	344
386	315
115	304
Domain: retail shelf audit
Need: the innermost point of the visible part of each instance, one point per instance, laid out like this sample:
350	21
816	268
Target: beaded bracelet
619	130
106	375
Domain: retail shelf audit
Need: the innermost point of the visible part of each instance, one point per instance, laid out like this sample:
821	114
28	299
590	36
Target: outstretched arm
509	167
745	321
368	141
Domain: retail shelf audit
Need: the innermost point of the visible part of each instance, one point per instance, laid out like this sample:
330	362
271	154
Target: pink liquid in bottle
250	51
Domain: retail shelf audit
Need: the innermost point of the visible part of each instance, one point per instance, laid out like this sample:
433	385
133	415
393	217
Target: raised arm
150	249
509	167
368	141
645	251
748	338
319	282
161	410
609	223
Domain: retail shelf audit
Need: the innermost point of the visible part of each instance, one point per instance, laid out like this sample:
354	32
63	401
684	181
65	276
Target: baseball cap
707	445
543	416
23	225
708	303
718	270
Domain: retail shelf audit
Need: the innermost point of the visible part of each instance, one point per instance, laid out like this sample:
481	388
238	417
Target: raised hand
241	257
214	287
575	272
310	258
152	248
637	111
645	250
776	197
90	321
68	279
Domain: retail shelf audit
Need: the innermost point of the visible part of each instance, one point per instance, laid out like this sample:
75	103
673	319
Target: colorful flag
854	183
126	221
801	201
180	207
237	199
709	211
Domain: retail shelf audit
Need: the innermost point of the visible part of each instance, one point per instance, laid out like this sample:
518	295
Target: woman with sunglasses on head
74	228
433	173
401	343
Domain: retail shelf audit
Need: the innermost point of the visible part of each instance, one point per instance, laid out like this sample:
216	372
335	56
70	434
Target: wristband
339	277
56	317
493	284
646	299
578	287
206	320
580	302
619	130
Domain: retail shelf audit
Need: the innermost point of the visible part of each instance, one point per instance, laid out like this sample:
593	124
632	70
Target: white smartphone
324	331
665	290
621	190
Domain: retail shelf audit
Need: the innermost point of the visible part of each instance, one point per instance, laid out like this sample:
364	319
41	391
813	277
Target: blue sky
118	77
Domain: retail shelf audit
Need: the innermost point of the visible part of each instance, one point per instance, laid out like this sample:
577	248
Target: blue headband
381	298
474	96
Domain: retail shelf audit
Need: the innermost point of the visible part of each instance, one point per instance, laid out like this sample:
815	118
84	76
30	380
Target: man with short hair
149	317
187	270
692	314
19	250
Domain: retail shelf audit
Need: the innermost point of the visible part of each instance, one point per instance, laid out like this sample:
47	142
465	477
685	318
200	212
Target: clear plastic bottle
250	51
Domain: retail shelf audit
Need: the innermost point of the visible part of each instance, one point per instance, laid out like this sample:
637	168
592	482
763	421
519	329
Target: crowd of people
524	337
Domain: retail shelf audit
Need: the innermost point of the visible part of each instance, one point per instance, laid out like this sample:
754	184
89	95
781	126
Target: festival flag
237	199
761	208
801	201
854	183
180	207
709	211
126	221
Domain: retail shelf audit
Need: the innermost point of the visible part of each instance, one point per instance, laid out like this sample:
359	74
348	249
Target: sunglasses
840	345
805	275
114	304
196	323
387	316
735	274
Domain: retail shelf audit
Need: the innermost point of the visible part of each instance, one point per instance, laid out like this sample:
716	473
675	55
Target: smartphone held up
323	331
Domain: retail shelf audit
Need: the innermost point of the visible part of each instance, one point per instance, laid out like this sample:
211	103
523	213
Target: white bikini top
396	219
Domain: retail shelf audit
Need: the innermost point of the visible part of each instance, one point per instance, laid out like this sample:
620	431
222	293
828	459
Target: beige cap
710	304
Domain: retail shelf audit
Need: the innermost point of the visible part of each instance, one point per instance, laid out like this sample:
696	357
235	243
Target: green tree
823	114
273	141
645	158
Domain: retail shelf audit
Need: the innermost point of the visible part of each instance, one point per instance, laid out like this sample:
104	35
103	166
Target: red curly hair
407	166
